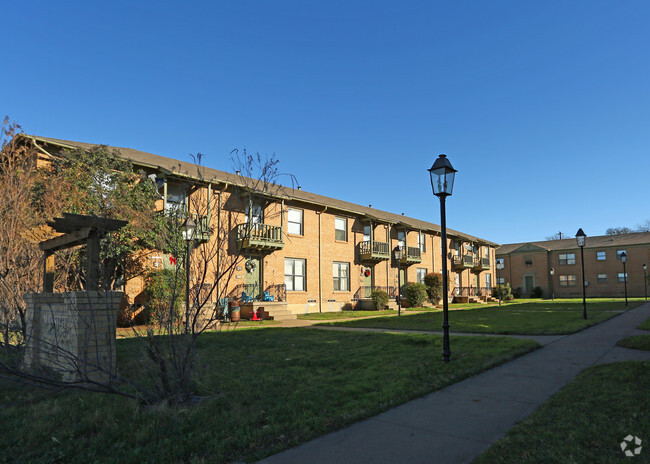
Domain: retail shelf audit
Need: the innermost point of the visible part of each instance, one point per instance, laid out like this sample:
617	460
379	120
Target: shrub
504	291
516	292
380	298
537	292
415	294
160	289
433	282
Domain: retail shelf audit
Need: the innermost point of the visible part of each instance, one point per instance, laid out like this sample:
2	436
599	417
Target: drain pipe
320	268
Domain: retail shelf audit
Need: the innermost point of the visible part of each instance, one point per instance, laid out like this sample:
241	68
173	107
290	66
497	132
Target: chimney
299	187
238	173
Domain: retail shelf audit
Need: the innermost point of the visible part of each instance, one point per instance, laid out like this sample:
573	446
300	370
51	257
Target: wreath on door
250	265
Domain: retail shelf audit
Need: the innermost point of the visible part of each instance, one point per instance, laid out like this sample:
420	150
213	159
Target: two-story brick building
529	265
314	252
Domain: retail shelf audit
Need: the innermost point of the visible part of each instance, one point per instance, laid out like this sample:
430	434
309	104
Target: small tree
433	283
163	289
415	293
504	292
380	298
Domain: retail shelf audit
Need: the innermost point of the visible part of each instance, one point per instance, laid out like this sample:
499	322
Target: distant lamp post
189	233
399	254
499	287
552	272
645	280
624	260
581	238
442	183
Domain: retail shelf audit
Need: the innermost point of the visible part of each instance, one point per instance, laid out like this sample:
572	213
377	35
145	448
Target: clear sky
543	107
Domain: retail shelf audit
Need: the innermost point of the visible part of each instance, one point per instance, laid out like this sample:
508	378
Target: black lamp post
645	280
552	272
581	238
499	287
442	182
624	260
399	254
189	232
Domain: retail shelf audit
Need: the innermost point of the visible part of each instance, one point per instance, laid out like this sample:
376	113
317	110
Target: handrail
259	231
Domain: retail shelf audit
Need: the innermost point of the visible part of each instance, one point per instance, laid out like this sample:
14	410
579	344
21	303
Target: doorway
253	277
367	282
529	284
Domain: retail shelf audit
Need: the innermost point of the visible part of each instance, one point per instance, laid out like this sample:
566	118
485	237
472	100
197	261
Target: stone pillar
72	334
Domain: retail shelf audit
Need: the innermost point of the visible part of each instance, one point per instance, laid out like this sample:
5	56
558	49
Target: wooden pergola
77	229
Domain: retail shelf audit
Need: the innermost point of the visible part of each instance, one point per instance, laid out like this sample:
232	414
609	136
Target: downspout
165	195
219	239
387	227
320	268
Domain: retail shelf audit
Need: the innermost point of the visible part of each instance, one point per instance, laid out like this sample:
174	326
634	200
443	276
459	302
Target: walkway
456	424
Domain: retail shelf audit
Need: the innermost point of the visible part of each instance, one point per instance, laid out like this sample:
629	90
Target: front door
529	284
402	278
252	280
367	282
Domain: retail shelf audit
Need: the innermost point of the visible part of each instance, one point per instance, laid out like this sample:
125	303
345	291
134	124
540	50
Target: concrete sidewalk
456	424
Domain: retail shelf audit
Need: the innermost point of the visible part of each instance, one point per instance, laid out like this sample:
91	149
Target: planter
234	314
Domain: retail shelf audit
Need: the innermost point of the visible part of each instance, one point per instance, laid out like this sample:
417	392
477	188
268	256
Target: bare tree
558	236
619	231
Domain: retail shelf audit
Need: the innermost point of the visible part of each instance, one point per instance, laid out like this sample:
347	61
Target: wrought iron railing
365	291
254	291
279	292
472	291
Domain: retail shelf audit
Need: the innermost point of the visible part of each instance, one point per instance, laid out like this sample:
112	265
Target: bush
380	298
516	292
160	289
415	294
433	282
503	291
537	292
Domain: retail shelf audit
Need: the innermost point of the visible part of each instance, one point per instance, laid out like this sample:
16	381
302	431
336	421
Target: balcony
459	263
481	264
258	236
374	251
203	231
413	255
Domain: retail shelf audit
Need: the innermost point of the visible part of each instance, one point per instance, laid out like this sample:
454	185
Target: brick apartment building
528	265
313	252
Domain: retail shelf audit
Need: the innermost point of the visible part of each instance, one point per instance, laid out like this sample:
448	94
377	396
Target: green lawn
636	342
268	389
533	318
344	315
645	325
585	422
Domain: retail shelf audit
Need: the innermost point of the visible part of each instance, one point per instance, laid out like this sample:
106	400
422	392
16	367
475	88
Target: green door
529	284
367	282
253	277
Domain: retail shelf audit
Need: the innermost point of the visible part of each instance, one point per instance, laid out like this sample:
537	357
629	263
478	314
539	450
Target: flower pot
234	314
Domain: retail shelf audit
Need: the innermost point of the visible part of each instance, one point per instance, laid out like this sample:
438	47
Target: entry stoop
271	310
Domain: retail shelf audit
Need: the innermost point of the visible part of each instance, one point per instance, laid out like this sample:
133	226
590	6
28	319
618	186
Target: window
366	233
294	221
486	252
254	213
601	255
401	238
619	253
176	197
421	243
602	278
567	280
500	263
294	274
341	229
622	277
528	260
488	281
341	274
567	258
420	275
501	281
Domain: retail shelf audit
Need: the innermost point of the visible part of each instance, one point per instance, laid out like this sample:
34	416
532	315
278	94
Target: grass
585	422
636	342
645	325
531	318
344	315
270	389
128	332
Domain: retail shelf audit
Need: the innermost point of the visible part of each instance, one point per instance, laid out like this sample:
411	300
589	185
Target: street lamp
499	287
581	238
442	183
645	280
552	272
189	232
399	254
624	260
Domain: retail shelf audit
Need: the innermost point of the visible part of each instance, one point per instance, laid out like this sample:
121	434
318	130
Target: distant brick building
528	265
314	252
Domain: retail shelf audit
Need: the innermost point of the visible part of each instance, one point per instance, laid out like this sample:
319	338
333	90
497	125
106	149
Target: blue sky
542	107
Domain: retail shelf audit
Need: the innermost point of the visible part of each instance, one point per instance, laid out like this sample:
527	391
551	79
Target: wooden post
92	268
48	272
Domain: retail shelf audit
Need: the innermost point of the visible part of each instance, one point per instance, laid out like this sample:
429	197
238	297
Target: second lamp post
624	260
581	238
442	182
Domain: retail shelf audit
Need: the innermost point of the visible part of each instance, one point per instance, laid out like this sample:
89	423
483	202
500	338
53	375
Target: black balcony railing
255	292
259	236
365	291
372	250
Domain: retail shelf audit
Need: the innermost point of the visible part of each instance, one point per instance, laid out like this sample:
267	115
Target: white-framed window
295	272
567	258
622	277
294	221
486	252
568	280
619	253
601	255
501	281
254	212
401	238
341	229
488	281
341	273
422	242
421	272
602	278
